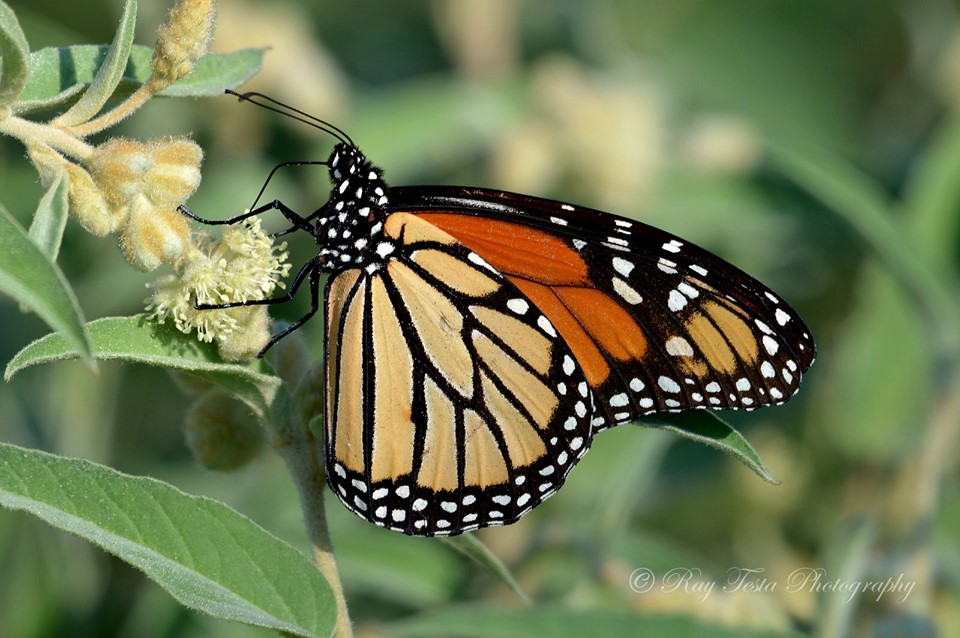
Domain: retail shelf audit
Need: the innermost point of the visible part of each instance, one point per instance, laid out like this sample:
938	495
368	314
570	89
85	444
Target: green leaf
704	426
139	339
56	70
206	555
108	75
216	72
485	621
50	220
932	195
471	547
14	52
847	559
30	277
864	205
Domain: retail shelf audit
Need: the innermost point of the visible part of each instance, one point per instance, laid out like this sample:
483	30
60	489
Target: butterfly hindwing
452	402
656	323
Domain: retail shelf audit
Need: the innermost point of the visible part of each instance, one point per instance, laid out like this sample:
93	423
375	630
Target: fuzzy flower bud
182	40
166	170
152	235
243	266
88	204
143	182
222	432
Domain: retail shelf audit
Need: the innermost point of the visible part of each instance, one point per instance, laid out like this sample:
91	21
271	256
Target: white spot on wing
623	266
667	266
688	290
480	261
672	246
770	345
619	400
519	306
624	289
668	385
676	301
679	347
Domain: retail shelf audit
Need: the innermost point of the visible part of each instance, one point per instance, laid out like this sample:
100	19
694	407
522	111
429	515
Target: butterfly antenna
291	112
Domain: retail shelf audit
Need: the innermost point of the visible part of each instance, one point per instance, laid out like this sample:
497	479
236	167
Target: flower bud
175	172
222	432
182	40
118	167
88	204
153	235
166	171
249	337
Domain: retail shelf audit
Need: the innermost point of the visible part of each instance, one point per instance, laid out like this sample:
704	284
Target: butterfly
477	340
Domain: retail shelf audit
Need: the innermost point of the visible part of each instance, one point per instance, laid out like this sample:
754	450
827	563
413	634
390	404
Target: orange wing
656	324
452	402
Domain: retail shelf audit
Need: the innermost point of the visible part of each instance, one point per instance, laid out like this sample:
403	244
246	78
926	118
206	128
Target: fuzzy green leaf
56	70
30	277
139	339
14	54
206	555
216	72
703	426
108	75
50	220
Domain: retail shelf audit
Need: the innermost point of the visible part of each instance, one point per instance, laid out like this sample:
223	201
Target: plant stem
31	132
108	119
301	458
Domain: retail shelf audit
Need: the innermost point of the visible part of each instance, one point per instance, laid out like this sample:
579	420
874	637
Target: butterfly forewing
452	401
655	323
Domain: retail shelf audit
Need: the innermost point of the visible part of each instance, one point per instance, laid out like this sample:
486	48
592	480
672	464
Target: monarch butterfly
477	340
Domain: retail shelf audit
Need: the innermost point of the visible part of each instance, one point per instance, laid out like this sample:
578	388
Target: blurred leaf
480	621
847	560
386	566
932	196
209	557
471	547
108	75
55	70
877	403
704	426
626	479
14	52
50	220
28	275
139	339
868	210
644	549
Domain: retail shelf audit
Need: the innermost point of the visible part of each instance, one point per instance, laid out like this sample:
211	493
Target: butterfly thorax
350	225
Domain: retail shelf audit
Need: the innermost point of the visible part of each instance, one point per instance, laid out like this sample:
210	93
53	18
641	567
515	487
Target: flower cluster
243	265
132	189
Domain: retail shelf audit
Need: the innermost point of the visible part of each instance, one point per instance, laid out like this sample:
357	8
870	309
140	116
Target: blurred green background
661	111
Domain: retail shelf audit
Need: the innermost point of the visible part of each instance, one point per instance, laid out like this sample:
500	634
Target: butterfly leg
311	268
277	168
299	222
314	305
